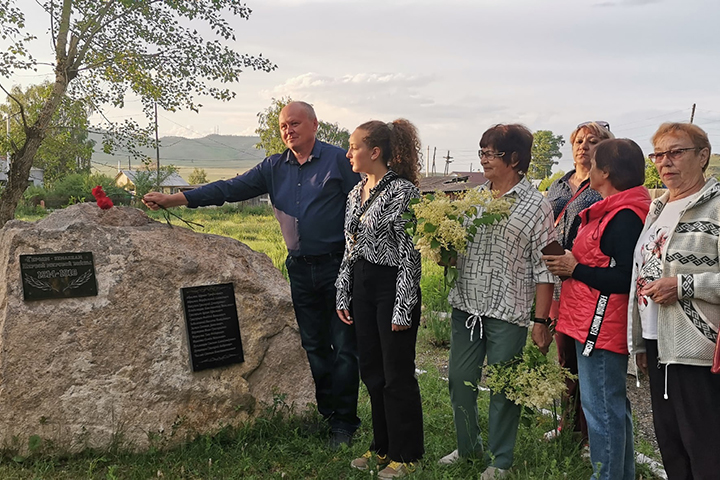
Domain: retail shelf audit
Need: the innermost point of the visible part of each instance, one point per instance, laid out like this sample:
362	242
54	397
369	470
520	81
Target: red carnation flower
98	192
102	200
104	203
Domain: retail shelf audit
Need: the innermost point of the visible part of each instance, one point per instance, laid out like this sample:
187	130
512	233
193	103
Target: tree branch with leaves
107	50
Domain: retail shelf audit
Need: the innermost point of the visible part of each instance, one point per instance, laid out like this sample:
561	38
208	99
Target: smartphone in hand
554	248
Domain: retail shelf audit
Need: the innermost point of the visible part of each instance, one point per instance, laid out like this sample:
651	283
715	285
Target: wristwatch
544	321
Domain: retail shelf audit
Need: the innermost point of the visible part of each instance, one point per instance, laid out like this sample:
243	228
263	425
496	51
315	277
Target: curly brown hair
399	143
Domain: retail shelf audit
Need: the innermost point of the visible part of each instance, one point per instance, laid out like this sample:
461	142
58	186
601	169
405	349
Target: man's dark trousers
330	344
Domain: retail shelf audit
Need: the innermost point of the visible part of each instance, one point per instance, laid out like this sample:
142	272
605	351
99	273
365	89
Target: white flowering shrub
532	380
444	225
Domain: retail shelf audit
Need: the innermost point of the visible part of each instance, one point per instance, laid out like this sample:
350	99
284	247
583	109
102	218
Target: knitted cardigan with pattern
687	329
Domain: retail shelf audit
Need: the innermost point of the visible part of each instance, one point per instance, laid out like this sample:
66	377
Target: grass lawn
276	447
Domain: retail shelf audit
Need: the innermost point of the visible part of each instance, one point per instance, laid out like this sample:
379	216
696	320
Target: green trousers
501	341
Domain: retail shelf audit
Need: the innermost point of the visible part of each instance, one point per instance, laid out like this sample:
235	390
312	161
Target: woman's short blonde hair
593	127
697	136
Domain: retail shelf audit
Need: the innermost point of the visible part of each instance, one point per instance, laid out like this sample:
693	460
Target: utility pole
6	167
157	149
448	161
433	164
692	115
427	163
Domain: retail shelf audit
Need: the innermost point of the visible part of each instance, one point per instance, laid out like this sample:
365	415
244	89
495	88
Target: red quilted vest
581	305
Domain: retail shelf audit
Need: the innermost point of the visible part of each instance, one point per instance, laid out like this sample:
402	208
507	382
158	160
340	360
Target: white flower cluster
445	224
532	382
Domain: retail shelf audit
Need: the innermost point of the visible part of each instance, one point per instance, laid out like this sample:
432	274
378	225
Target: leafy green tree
269	129
197	176
652	177
104	50
545	149
66	148
547	181
334	134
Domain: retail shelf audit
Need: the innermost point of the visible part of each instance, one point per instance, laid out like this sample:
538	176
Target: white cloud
312	83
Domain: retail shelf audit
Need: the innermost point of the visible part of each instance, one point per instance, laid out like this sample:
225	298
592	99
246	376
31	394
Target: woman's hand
662	291
641	361
399	328
345	316
541	337
561	265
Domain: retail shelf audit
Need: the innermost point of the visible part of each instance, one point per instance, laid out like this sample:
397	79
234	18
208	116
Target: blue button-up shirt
309	199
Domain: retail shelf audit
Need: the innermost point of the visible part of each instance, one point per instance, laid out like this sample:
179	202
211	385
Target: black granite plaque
212	325
58	275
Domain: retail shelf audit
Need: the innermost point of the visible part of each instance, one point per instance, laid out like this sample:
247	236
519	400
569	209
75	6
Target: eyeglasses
672	155
602	123
489	155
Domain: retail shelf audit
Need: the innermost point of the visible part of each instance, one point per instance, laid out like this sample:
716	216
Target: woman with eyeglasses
568	196
674	311
594	301
499	275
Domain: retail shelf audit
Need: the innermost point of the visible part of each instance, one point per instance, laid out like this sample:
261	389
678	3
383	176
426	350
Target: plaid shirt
501	266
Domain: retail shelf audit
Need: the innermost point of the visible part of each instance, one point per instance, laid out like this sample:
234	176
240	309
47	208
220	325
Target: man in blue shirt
308	186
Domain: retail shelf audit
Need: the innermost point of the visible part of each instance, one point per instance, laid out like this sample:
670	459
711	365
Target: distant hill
227	152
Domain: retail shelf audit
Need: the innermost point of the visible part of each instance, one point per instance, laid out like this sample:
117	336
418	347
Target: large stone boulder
86	372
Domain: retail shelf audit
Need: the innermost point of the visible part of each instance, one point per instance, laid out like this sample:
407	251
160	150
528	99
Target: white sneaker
552	434
493	473
585	452
450	458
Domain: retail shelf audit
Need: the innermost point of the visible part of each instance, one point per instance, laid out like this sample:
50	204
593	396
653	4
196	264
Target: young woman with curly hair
378	289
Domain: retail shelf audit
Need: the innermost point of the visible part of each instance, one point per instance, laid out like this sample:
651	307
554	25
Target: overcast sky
455	67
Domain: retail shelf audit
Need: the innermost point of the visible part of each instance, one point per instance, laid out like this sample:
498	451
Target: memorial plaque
212	325
58	275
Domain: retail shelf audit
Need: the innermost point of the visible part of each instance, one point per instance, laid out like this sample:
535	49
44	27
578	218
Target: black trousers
387	364
329	343
687	424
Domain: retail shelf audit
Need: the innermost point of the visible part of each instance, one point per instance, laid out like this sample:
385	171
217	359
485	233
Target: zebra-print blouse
379	237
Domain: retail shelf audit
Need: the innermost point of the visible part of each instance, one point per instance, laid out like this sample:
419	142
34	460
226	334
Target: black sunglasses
602	123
